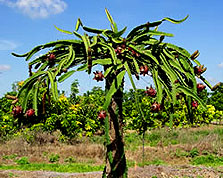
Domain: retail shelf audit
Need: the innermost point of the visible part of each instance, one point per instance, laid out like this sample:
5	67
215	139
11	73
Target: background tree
141	51
74	91
216	98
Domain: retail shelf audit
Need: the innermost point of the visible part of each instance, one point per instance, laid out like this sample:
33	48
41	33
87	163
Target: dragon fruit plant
141	51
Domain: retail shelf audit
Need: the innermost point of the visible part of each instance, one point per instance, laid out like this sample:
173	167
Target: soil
137	172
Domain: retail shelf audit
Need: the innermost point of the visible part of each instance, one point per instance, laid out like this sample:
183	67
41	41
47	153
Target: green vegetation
74	167
175	101
22	161
208	160
197	146
80	118
54	158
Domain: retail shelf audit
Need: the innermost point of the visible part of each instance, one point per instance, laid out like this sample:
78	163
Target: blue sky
26	23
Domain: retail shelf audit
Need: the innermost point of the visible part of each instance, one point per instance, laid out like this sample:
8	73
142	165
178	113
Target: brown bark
118	168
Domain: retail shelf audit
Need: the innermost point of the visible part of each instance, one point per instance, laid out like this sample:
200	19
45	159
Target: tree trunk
116	162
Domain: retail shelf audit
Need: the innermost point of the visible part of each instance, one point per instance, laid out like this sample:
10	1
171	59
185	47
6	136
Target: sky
27	23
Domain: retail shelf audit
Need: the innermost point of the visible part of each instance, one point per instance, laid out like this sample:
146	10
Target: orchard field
163	130
70	137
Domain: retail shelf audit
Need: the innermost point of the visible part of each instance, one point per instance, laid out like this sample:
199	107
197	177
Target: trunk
115	157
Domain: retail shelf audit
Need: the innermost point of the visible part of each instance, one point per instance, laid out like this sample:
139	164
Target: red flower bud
198	70
98	76
30	113
102	115
155	107
118	50
176	81
144	70
150	91
200	87
16	111
194	104
51	57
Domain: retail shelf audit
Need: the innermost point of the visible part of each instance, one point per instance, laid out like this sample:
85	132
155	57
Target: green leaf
78	24
134	87
70	58
43	66
77	34
185	65
130	75
65	76
206	82
29	81
47	45
178	49
20	55
197	62
175	21
144	53
112	51
188	92
63	31
168	69
53	85
31	53
120	33
113	24
114	87
92	30
27	93
35	97
158	85
106	61
37	60
108	70
95	41
154	32
82	67
109	16
136	65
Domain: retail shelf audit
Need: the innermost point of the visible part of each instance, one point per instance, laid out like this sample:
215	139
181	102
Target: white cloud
4	67
37	8
220	65
7	45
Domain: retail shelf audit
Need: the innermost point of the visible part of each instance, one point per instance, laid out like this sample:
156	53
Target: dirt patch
137	172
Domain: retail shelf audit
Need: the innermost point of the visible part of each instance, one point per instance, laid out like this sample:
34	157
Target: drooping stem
143	147
116	166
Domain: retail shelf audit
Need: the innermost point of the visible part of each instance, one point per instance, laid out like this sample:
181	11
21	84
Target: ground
137	172
168	153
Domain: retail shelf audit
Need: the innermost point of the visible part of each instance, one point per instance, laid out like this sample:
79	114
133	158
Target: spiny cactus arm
137	30
29	54
145	53
112	52
63	31
106	61
29	87
158	85
117	82
188	92
53	83
113	24
65	76
135	89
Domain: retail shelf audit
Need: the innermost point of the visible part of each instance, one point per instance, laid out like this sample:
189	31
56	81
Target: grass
74	167
208	160
197	146
167	137
71	167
